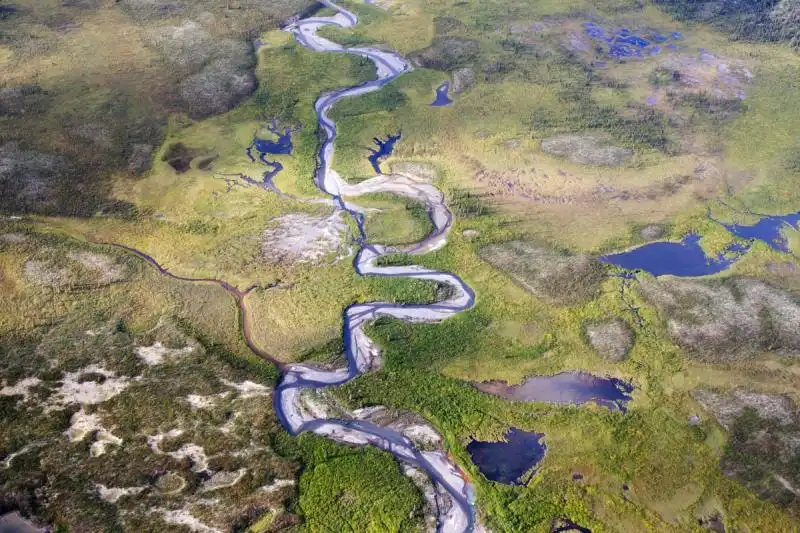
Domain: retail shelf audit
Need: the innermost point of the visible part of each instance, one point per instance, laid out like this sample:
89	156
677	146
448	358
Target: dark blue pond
624	43
507	461
684	258
768	229
281	146
565	525
267	146
565	388
385	149
442	95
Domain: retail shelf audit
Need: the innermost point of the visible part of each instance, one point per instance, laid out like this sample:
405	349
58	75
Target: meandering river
362	353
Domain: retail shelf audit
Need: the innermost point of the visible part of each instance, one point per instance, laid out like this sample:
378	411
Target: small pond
687	257
769	229
565	525
684	258
442	95
621	43
507	461
385	149
565	388
281	146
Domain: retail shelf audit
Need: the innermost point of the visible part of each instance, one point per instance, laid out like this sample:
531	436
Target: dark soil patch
765	457
446	24
587	150
727	321
21	99
559	277
612	339
448	53
180	157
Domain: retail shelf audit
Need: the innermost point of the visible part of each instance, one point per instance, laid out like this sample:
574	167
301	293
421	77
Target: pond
507	461
624	43
683	258
687	258
442	95
385	149
283	146
565	388
769	230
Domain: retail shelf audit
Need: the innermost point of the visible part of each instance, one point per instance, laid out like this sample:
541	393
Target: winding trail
238	295
362	353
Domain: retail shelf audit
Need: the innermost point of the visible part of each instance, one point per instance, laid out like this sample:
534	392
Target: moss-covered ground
693	151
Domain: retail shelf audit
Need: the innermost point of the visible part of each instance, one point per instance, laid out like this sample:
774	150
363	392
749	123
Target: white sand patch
366	412
20	388
421	434
223	480
195	453
112	495
182	517
83	424
170	483
251	450
158	353
785	483
429	493
277	485
13	238
302	238
230	425
201	402
104	438
311	408
248	389
6	463
73	390
154	441
104	269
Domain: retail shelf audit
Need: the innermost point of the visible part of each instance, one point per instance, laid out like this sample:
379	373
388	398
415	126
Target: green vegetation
399	221
79	104
365	491
141	142
755	455
762	20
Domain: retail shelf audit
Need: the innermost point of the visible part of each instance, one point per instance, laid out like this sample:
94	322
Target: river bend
458	515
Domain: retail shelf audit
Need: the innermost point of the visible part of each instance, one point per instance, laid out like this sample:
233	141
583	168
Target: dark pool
442	95
565	525
264	147
385	149
507	461
768	229
621	43
684	258
565	388
283	146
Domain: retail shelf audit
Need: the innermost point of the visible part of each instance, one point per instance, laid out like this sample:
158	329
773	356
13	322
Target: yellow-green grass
290	321
193	222
394	220
405	27
145	297
500	111
669	465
